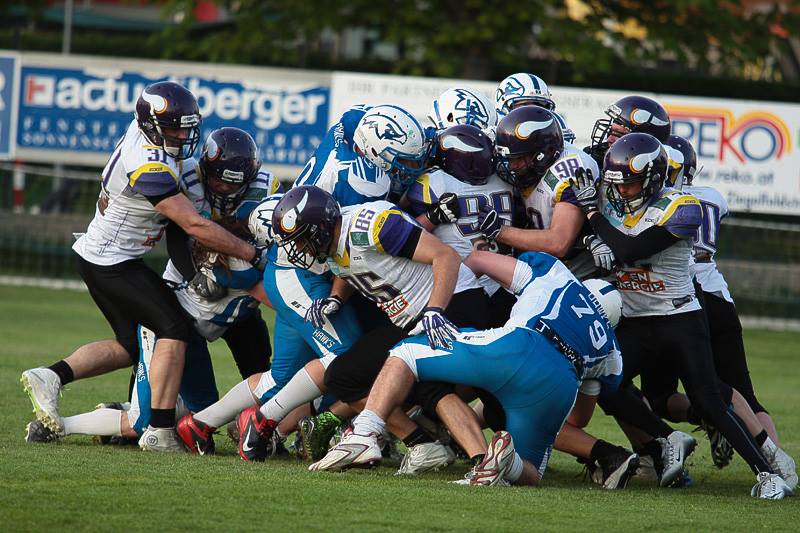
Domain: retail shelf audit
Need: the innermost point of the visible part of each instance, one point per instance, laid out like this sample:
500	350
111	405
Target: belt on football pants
562	347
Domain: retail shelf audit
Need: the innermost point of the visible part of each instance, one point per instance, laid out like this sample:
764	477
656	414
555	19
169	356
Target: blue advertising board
8	72
81	110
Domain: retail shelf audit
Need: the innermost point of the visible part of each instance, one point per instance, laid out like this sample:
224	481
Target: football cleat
674	451
255	430
196	435
316	433
770	487
426	457
43	387
497	462
37	432
161	440
721	449
614	470
467	480
353	451
647	469
781	463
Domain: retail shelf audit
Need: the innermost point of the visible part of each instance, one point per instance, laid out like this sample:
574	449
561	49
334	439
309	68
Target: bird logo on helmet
634	158
260	221
460	105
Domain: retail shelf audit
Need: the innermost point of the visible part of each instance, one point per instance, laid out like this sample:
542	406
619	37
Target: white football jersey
540	201
714	209
126	225
366	257
464	236
660	284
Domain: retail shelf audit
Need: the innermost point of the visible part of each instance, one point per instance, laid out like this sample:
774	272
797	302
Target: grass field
76	485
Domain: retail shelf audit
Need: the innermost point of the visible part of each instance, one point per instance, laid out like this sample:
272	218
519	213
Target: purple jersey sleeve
421	196
391	231
156	183
684	219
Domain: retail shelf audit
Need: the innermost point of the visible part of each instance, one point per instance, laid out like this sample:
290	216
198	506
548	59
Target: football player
519	90
139	195
559	333
650	232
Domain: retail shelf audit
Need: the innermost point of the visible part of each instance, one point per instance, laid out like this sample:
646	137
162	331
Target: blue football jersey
339	170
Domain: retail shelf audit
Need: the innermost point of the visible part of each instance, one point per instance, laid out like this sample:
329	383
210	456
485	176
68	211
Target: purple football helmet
466	153
303	223
689	168
528	141
228	164
635	114
168	115
634	158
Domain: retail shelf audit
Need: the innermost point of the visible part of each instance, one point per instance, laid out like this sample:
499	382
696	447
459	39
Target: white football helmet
569	135
395	141
608	297
461	105
260	221
522	89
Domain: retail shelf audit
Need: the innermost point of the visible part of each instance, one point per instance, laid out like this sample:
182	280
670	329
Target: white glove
601	252
322	307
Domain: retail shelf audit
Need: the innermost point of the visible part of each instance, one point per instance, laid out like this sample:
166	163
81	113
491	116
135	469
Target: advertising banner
9	65
74	112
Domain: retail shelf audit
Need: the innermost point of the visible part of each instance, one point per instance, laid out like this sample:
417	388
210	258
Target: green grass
76	485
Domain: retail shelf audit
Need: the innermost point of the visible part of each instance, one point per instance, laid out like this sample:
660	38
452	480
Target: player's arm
257	292
341	289
498	267
445	262
582	412
179	209
556	240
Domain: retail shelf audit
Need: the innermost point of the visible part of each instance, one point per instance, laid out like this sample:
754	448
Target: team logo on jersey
716	133
289	220
476	112
387	129
526	129
642	162
638	280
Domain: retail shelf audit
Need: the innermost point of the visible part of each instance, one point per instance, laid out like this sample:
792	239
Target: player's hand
585	190
489	222
320	308
207	288
259	261
601	252
440	331
445	211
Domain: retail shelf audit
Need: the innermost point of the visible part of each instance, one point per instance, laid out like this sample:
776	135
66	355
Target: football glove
601	252
445	211
585	190
489	222
320	308
440	331
207	288
259	261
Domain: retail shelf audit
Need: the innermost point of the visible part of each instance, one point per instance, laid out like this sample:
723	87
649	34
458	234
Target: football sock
418	436
368	422
761	437
63	371
235	401
516	469
300	389
651	448
102	422
601	449
162	418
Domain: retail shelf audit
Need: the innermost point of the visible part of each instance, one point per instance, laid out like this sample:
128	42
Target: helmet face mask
636	159
227	166
528	142
303	222
168	115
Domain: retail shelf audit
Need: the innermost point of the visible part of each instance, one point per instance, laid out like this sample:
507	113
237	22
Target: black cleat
614	471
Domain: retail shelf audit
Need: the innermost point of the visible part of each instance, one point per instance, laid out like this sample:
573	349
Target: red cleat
255	433
196	435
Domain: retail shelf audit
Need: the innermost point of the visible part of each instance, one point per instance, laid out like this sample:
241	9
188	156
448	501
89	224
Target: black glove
259	261
445	211
601	252
489	222
585	189
440	331
207	288
322	307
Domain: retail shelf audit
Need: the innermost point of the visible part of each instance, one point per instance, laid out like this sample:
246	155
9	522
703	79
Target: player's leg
249	343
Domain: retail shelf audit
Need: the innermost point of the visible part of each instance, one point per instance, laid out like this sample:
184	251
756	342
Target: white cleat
675	449
352	451
161	440
770	487
426	457
781	463
43	387
499	458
